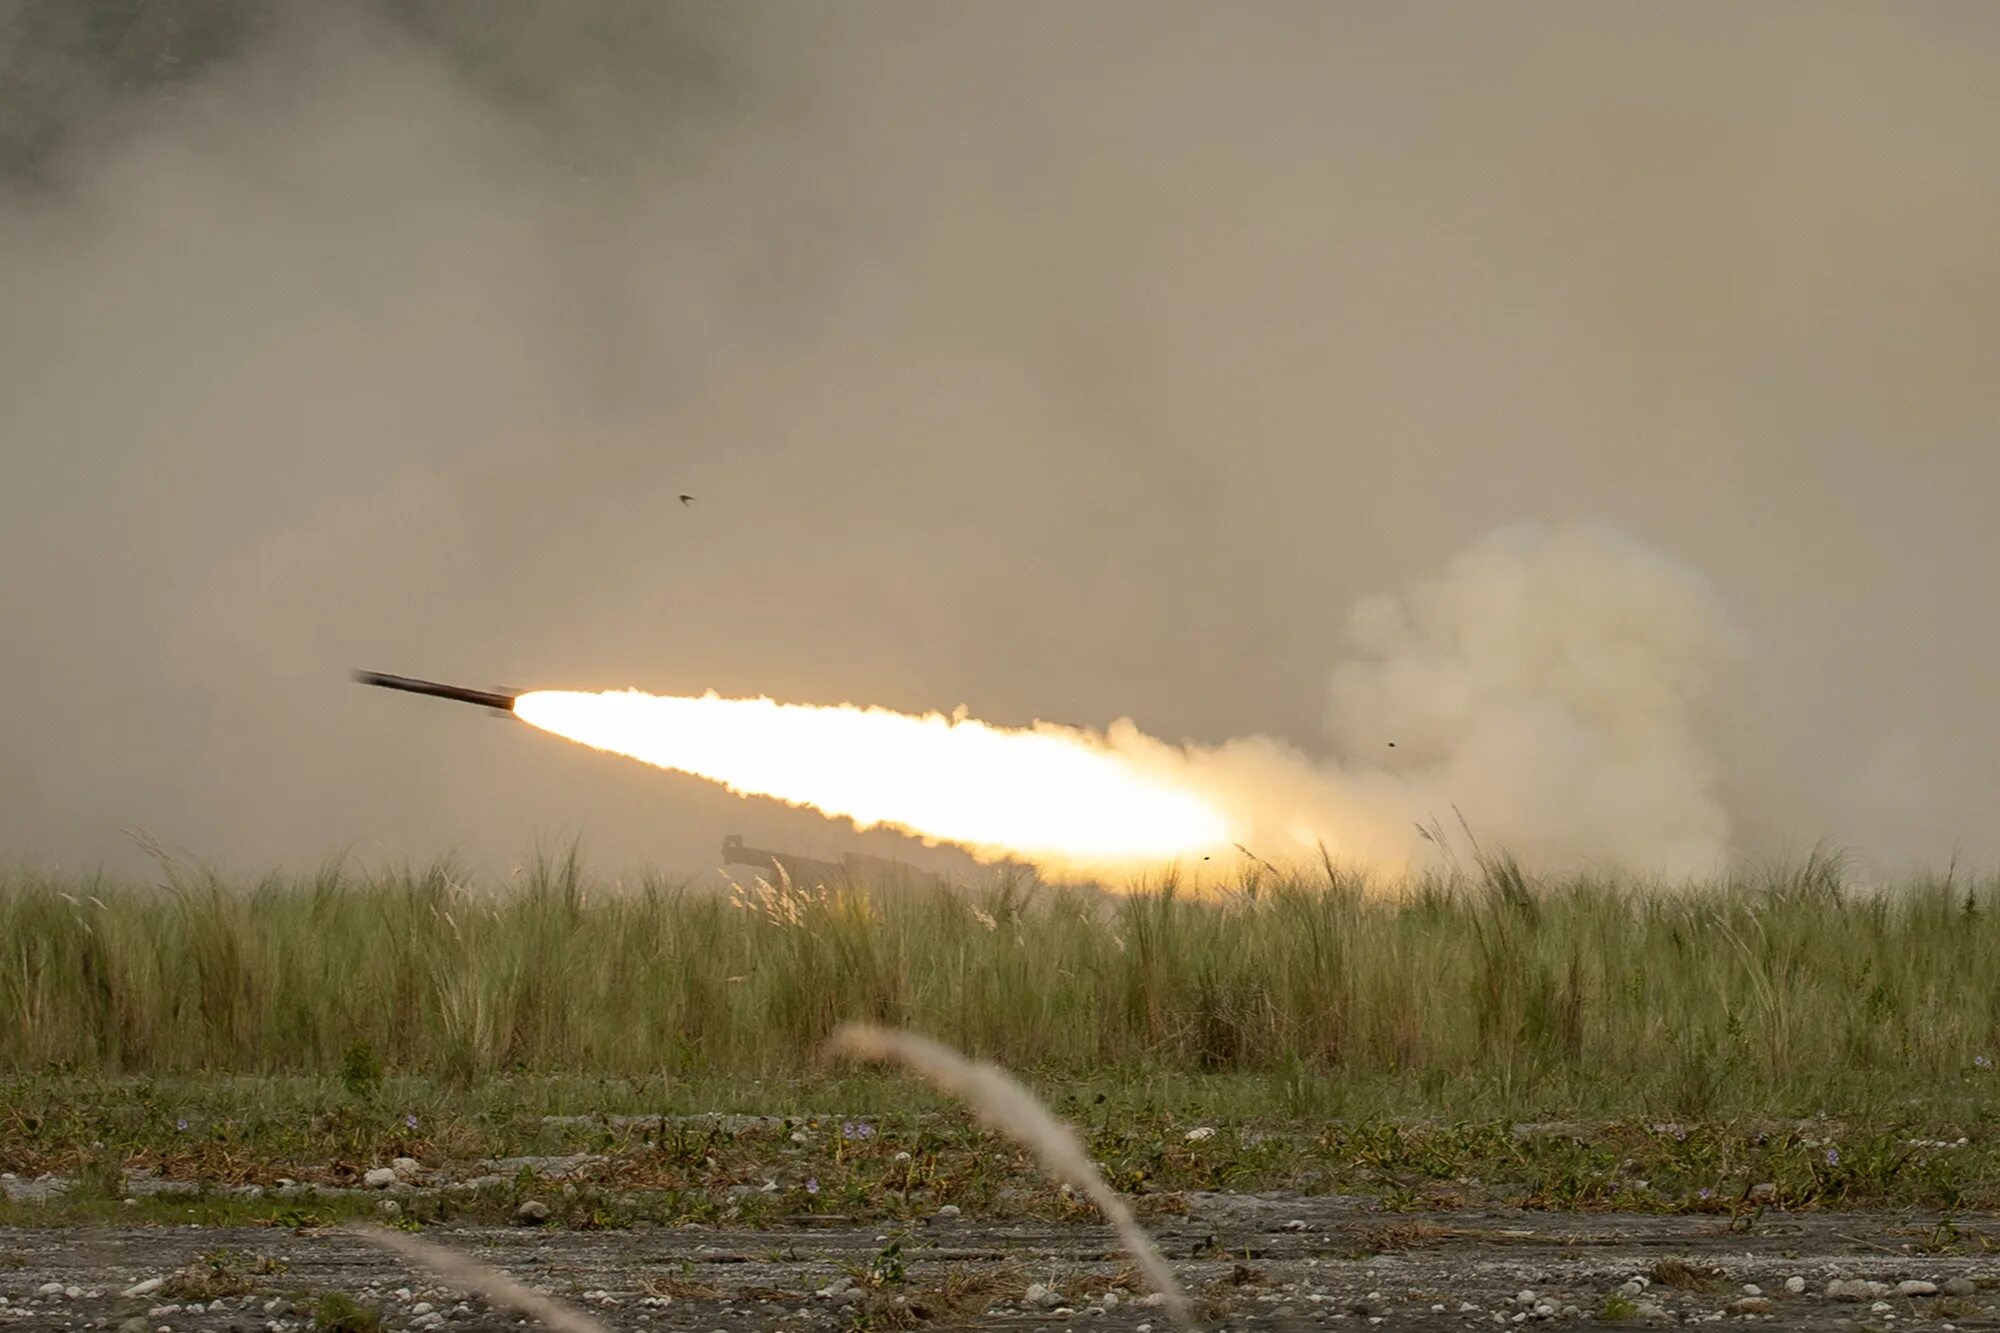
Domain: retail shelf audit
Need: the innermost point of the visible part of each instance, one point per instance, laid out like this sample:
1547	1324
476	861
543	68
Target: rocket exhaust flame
1048	794
1061	798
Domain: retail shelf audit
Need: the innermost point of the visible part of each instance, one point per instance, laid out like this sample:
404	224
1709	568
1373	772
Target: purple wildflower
410	1121
857	1129
181	1125
1982	1062
1707	1193
1833	1157
812	1186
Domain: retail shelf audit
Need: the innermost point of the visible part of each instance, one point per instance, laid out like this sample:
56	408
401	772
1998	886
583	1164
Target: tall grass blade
1008	1108
477	1279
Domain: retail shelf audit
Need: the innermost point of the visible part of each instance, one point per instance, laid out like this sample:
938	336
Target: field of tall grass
1485	993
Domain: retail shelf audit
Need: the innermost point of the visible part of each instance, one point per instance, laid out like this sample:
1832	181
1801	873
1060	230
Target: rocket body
496	699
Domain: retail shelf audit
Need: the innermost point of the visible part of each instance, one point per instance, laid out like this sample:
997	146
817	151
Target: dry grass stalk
1005	1106
474	1278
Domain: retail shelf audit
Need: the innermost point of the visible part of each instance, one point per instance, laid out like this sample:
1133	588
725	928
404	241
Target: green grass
337	1312
1485	997
1780	1043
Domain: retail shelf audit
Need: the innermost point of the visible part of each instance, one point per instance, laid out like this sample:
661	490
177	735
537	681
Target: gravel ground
1249	1261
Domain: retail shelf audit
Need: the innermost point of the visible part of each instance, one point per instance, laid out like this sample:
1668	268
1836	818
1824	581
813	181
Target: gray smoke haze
1064	362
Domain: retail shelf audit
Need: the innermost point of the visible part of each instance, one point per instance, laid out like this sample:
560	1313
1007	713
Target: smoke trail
1548	684
1008	1108
1551	683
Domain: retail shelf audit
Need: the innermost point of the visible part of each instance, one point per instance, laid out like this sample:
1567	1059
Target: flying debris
497	700
688	500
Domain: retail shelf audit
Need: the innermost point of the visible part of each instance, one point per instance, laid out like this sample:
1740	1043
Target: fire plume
1047	794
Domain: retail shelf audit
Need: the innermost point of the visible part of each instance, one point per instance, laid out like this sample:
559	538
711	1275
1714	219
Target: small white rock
1795	1284
1752	1289
1199	1134
1916	1287
379	1178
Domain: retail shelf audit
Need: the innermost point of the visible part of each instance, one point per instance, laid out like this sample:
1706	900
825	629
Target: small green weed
360	1069
337	1312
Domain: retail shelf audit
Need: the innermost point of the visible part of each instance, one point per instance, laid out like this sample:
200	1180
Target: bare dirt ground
1249	1262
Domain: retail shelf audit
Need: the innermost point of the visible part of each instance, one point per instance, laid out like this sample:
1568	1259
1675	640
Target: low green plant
337	1312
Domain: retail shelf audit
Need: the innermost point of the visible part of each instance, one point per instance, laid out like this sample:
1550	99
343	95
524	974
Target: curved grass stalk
1005	1106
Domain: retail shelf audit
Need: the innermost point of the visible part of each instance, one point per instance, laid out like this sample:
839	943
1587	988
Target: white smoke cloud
1549	684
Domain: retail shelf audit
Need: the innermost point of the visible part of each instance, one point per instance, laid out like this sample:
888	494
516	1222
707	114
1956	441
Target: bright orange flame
1051	795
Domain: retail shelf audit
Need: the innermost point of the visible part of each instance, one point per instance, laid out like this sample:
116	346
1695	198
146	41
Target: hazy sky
1065	362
